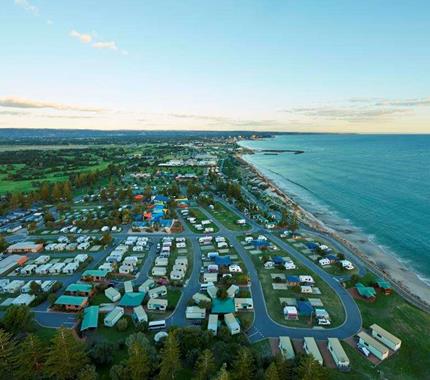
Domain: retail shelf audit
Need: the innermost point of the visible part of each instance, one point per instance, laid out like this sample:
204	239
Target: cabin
232	323
311	348
113	317
243	304
195	312
210	277
232	290
83	290
157	304
112	294
157	292
25	247
338	353
131	299
72	303
385	337
90	319
286	348
213	323
139	315
366	292
94	275
199	297
128	287
145	286
384	286
376	348
159	271
291	313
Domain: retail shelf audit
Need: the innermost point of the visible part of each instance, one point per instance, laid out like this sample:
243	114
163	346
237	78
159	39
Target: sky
281	65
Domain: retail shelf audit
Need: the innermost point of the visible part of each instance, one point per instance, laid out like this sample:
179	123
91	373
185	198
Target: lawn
329	298
198	214
227	218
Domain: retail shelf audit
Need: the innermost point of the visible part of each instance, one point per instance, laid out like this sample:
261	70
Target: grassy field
197	213
329	298
227	218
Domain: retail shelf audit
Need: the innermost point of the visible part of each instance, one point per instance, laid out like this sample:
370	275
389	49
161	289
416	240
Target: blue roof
304	308
332	257
278	260
222	260
292	278
165	222
312	245
161	198
260	243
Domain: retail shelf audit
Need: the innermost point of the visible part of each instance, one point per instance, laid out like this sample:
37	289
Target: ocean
372	189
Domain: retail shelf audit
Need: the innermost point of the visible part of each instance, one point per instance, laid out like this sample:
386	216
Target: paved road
263	326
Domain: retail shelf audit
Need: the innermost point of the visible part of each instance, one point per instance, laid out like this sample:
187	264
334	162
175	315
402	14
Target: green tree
271	372
7	355
88	372
31	358
67	191
57	192
3	243
205	365
309	369
66	355
106	239
243	366
223	374
18	318
138	362
171	361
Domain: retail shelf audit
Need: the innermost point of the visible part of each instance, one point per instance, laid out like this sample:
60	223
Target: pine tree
88	372
31	358
56	192
7	355
244	365
223	374
170	364
67	191
271	372
310	369
18	318
205	365
44	192
138	362
66	355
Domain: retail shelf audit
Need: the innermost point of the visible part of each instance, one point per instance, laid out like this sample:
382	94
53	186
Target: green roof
79	288
91	318
70	300
223	306
95	273
383	283
365	291
132	299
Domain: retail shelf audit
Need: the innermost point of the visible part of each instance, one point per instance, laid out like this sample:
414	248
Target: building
95	275
311	348
25	247
11	262
24	299
72	303
243	304
148	284
384	286
232	323
157	304
338	353
199	297
195	312
128	287
385	337
113	294
177	275
223	306
232	290
159	271
366	292
132	299
291	313
286	348
14	286
84	290
376	348
113	317
91	318
157	292
213	323
210	277
139	314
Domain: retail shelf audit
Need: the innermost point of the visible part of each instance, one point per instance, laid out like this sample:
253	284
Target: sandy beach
406	282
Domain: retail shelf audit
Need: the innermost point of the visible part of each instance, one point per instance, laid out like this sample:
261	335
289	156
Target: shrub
122	325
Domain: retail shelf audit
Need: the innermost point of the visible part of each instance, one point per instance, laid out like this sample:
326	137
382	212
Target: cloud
105	45
353	114
83	37
27	6
382	102
232	122
14	102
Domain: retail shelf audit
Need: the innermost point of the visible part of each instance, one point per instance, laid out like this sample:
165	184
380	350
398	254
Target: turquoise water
371	188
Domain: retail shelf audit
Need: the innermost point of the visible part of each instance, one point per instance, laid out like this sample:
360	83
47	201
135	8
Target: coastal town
182	245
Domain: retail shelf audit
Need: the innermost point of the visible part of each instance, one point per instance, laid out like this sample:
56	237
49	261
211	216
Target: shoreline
382	264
